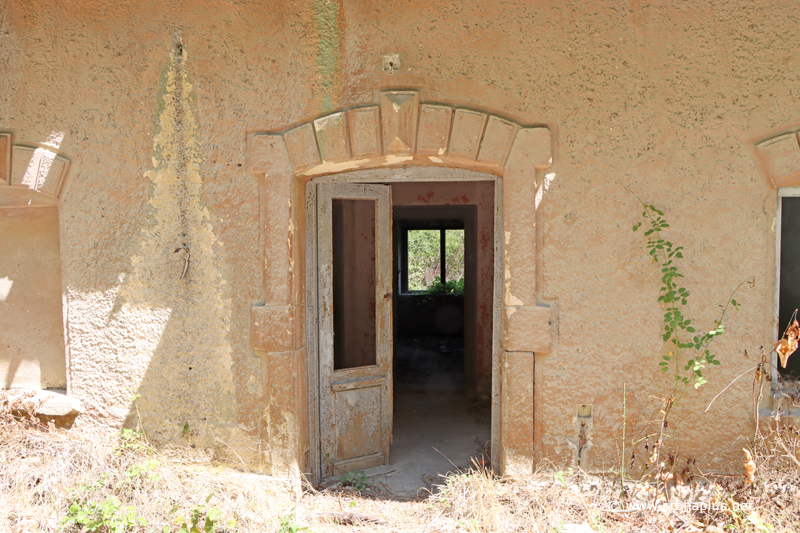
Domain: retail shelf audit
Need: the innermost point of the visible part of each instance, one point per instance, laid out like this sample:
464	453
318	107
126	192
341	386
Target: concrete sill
786	389
50	404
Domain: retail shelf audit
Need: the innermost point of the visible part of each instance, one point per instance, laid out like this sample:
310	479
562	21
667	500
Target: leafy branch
678	329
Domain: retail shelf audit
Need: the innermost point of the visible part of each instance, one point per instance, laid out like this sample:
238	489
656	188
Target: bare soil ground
58	480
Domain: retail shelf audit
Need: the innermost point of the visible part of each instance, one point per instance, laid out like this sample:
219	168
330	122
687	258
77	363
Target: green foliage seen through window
424	261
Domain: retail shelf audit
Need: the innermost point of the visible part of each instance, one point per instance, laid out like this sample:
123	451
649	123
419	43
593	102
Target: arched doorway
404	141
32	337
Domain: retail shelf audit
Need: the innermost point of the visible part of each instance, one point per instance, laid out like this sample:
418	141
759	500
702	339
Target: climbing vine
679	330
690	351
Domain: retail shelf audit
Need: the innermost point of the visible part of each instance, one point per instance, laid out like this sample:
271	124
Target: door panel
355	343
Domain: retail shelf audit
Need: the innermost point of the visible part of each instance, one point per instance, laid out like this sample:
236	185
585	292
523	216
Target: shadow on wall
171	316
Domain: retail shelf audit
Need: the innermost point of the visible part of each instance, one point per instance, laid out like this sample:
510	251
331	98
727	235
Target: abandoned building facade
206	210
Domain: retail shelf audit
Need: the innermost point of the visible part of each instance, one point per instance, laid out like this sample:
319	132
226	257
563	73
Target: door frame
384	177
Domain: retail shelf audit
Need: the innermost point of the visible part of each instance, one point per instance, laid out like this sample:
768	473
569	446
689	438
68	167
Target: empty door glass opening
789	280
353	249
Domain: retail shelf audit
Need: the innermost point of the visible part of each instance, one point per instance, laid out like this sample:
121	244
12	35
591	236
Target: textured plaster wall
168	334
659	97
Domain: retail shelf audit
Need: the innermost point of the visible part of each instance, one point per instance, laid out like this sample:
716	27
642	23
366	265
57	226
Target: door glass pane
354	324
454	258
424	259
790	274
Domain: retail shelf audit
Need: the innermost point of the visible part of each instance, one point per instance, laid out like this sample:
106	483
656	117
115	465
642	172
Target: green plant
355	479
436	288
690	351
678	329
597	524
110	516
200	518
469	525
330	464
448	287
131	439
139	471
561	477
95	485
288	525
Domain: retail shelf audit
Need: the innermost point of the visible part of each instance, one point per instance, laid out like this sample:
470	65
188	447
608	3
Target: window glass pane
454	256
424	260
790	274
354	324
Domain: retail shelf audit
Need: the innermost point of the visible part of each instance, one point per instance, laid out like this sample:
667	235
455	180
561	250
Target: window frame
780	384
412	225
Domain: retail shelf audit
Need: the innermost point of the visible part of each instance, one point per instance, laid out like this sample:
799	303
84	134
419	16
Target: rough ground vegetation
61	480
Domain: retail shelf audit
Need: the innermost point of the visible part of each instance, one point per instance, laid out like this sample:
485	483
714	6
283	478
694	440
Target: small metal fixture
391	62
186	259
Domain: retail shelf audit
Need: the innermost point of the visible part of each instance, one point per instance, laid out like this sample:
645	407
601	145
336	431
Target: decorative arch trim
401	131
777	155
33	166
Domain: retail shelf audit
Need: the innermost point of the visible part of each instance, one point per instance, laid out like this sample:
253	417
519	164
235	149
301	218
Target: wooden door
355	325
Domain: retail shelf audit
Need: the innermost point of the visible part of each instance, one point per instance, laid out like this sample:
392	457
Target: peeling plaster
5	288
392	159
512	300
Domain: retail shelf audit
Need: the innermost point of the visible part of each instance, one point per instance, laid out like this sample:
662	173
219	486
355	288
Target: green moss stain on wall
326	19
177	267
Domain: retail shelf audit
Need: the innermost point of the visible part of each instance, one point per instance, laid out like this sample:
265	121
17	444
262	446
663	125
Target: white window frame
779	388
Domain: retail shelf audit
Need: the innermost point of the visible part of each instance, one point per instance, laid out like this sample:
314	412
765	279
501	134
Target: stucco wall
658	97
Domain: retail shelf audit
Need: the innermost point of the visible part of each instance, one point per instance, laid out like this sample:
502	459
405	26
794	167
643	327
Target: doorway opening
442	418
403	292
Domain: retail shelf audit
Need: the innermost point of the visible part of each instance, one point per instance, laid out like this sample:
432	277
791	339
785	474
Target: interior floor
437	429
429	362
434	433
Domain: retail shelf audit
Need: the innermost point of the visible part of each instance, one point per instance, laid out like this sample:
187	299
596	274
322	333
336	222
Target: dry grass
44	471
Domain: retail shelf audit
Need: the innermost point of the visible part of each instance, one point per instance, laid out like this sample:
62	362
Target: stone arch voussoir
34	166
400	131
777	156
